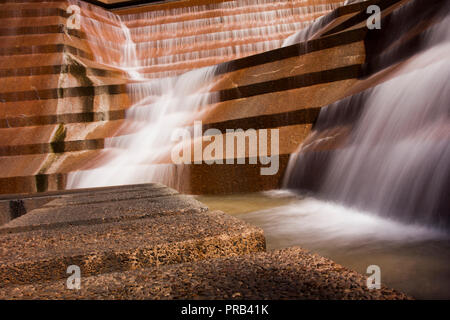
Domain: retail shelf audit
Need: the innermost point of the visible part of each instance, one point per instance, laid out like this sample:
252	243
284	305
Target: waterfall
140	152
386	149
163	105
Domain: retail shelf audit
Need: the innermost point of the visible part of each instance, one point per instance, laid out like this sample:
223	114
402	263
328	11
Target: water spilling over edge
391	153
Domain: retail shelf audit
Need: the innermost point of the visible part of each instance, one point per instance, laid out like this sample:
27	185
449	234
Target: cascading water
306	33
165	105
162	105
391	150
392	144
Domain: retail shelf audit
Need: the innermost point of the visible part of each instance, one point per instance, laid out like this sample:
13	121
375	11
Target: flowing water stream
412	258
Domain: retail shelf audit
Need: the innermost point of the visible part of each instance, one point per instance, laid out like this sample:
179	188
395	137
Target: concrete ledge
102	208
13	206
45	254
286	274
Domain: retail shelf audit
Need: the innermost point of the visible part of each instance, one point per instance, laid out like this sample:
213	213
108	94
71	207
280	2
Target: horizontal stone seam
58	93
35	30
51	12
291	51
60	176
52	147
296	117
92	2
302	116
65	118
87	222
133	3
32	1
44	49
271	86
57	69
34	13
63	193
289	83
129	5
267	121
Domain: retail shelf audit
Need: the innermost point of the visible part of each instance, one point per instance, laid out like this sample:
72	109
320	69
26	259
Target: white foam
314	223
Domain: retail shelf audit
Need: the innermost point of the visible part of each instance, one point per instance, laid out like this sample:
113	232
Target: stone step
34	4
117	230
119	204
103	211
43	254
13	206
65	110
285	274
26	137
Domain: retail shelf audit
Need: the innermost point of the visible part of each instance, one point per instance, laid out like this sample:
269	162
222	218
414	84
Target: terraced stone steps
234	102
117	230
55	117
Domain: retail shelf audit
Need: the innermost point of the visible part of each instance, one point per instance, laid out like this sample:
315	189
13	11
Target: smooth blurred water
161	106
412	258
394	160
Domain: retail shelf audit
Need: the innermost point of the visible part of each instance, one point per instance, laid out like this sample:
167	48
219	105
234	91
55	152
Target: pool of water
412	258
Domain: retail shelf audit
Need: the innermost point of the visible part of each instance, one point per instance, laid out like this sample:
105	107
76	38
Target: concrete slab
14	206
286	274
157	204
39	255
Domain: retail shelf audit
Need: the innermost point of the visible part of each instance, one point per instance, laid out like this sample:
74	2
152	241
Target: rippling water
412	258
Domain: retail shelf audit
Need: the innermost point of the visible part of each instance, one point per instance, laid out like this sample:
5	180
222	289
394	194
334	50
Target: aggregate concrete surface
150	242
285	274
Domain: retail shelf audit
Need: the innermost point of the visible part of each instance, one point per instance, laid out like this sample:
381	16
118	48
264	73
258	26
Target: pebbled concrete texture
49	217
150	242
120	228
46	254
285	274
13	206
